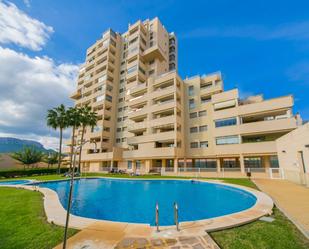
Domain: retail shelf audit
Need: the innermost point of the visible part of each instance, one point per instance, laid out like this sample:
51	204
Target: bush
30	172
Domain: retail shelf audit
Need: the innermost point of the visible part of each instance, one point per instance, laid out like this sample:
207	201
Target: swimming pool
134	200
14	182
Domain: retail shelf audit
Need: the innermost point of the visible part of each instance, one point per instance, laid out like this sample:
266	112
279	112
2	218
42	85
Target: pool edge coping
56	213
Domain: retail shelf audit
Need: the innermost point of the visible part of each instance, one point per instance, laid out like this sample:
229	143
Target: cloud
287	31
27	3
29	86
18	28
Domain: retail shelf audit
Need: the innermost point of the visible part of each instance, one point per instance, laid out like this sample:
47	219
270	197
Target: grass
280	234
23	221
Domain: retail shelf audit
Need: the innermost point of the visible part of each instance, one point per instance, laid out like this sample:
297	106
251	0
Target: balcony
137	113
210	89
161	136
266	105
161	92
76	95
247	148
158	122
164	152
154	52
138	87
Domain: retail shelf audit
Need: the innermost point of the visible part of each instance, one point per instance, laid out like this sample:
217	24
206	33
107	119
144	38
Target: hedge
30	172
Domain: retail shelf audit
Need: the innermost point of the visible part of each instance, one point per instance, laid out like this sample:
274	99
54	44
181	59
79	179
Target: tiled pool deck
107	234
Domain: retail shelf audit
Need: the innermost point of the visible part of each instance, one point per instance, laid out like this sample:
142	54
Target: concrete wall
293	154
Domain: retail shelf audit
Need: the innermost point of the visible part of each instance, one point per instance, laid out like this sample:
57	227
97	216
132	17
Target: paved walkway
291	198
115	236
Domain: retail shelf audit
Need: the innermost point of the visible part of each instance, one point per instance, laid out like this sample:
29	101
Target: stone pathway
199	242
291	198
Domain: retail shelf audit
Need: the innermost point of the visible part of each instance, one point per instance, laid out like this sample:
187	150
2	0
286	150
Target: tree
51	158
87	118
58	118
28	156
74	121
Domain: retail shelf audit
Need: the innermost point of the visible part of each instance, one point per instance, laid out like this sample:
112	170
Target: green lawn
280	234
23	223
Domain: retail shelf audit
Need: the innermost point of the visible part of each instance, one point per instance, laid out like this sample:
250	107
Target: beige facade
150	120
293	154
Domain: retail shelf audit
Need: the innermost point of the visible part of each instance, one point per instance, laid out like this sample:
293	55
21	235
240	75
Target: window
202	113
191	103
119	119
108	98
225	122
151	62
205	99
129	164
102	78
203	144
109	88
194	145
193	129
138	164
193	115
151	72
132	69
227	140
119	109
100	98
191	90
118	129
118	140
203	128
205	163
120	90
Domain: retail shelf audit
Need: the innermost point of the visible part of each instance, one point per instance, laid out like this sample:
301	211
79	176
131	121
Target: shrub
30	172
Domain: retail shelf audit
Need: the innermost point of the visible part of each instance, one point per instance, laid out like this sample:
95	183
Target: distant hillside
9	145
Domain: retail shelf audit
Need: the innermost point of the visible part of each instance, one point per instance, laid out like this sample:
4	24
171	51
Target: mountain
10	144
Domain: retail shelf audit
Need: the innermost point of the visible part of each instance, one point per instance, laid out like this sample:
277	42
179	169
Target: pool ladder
176	221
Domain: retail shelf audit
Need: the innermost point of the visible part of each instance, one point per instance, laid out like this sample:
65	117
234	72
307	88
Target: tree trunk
72	149
80	149
60	151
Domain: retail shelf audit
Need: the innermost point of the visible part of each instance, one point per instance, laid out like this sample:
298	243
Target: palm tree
28	156
88	118
74	121
51	158
57	118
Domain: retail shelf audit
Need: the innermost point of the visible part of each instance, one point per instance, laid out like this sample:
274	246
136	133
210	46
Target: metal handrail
157	217
176	216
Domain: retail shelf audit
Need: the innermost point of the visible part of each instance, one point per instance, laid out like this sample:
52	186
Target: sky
261	47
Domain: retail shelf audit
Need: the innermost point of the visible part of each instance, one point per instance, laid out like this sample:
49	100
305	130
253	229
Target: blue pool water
16	182
134	200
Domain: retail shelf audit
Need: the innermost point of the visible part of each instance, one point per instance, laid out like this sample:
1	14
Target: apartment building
151	120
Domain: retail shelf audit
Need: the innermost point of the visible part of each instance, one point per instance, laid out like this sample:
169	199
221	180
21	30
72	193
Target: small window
118	140
203	128
225	122
191	103
118	129
193	115
194	145
227	140
191	90
193	129
202	113
151	72
203	144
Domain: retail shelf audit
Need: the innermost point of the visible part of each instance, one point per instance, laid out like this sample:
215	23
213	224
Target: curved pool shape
16	182
134	200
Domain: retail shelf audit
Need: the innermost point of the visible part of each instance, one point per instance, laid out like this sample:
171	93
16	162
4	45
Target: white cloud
28	87
19	28
27	3
287	31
